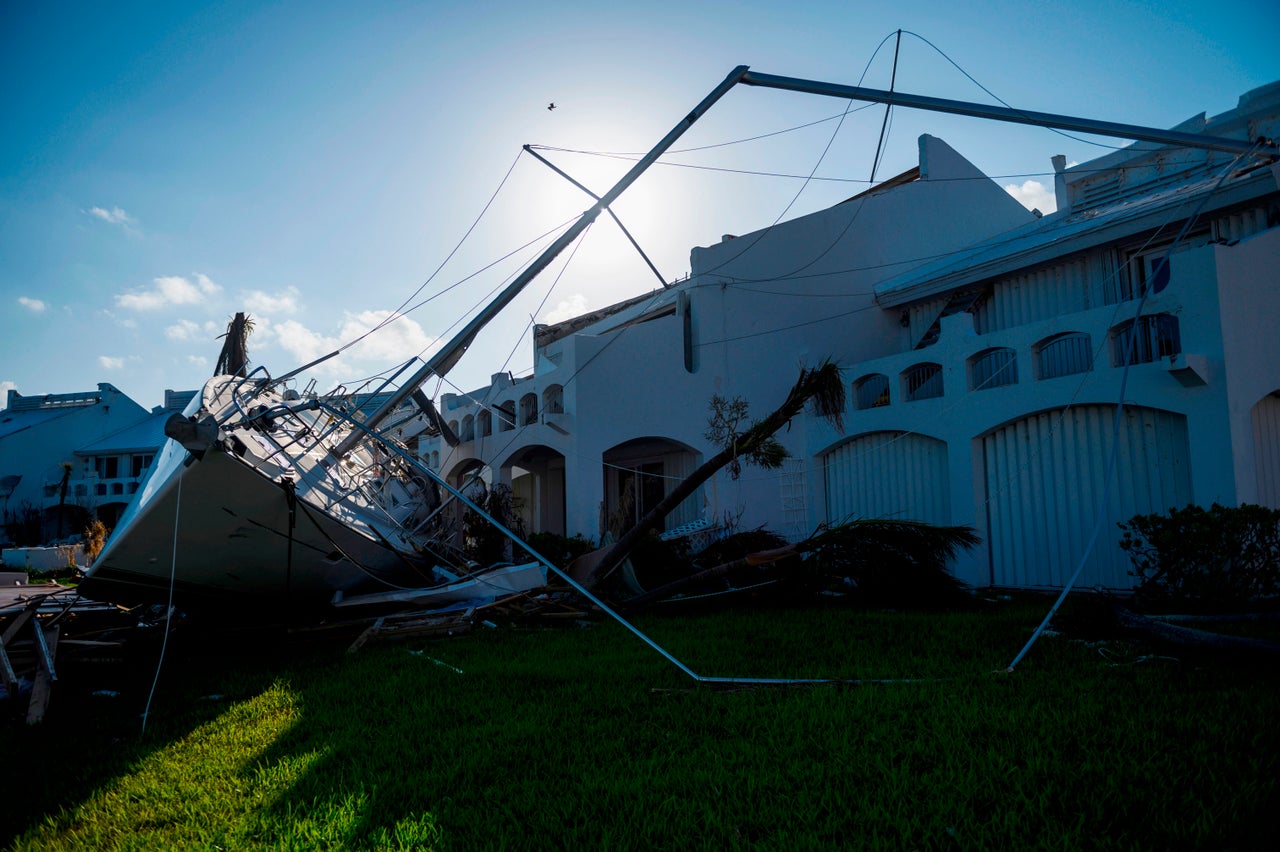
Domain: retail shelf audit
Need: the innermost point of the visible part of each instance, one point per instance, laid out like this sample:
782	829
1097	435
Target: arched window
871	391
484	423
1145	339
993	368
506	412
553	400
453	426
528	409
922	381
1063	355
468	432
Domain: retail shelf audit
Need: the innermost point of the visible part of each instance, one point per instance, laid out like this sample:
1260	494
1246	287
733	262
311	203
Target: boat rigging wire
608	210
168	616
815	178
1002	100
888	108
577	244
399	311
760	235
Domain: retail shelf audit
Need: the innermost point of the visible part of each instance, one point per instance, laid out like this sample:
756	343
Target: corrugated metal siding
1266	450
889	475
1237	226
1044	476
923	316
1036	295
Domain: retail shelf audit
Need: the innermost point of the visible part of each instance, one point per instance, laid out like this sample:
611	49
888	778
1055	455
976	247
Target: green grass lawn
582	737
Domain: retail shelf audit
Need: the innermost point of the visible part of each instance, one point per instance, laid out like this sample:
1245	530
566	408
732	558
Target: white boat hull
224	525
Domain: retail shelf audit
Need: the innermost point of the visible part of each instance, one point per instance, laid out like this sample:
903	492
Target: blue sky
163	165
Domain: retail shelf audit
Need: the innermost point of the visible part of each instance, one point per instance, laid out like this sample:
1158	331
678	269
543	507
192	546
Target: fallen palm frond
901	564
889	562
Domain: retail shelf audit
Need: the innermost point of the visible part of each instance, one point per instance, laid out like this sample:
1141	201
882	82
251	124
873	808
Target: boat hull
215	530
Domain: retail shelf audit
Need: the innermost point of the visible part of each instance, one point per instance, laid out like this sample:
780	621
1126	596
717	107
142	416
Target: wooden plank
365	636
22	618
44	676
44	654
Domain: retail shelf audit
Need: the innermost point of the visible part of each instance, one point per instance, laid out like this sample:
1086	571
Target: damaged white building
984	350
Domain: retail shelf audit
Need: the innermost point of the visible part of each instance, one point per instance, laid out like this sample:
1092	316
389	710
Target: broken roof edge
1256	115
545	335
1042	241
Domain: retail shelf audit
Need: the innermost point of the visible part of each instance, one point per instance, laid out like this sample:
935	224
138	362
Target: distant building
100	443
984	348
111	468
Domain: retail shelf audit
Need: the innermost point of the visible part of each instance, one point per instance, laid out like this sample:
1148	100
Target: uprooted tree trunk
1189	639
821	384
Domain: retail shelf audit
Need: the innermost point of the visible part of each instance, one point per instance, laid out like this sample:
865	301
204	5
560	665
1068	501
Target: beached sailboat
248	501
264	494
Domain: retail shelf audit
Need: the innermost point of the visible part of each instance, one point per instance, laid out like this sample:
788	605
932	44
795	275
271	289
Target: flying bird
551	105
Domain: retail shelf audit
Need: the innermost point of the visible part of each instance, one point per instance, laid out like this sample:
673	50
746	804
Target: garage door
895	475
1044	476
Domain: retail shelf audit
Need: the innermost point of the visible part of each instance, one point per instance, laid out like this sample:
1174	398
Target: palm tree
234	358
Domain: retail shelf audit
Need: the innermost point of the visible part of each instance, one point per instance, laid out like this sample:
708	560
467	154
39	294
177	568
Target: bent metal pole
1017	116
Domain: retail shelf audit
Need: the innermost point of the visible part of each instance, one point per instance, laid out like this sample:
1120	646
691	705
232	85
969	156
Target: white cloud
395	343
33	305
259	303
107	362
1033	195
183	330
5	387
198	360
567	309
303	343
168	290
114	216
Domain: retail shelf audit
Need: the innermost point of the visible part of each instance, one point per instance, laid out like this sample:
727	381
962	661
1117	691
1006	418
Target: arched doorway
537	484
1266	449
639	473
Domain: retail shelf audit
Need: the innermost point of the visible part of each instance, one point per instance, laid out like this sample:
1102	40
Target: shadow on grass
93	730
533	738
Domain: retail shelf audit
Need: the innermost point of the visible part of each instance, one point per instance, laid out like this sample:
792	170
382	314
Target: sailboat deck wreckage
262	493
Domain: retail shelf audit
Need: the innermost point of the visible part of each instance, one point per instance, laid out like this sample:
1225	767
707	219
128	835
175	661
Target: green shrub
561	550
1219	556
